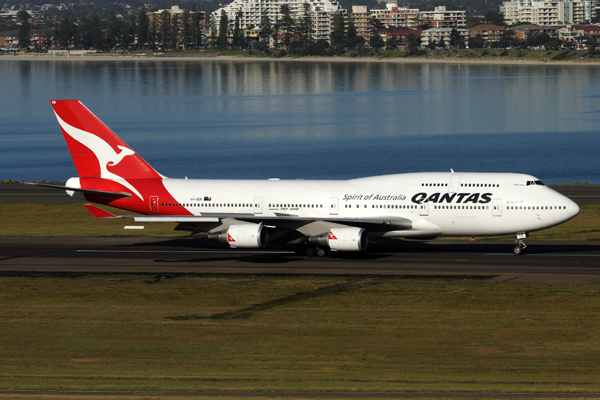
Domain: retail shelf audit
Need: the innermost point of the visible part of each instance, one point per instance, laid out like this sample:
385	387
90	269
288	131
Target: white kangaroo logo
106	155
125	151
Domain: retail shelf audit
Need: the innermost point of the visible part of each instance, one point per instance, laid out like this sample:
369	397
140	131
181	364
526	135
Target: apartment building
442	18
435	34
489	32
512	10
394	16
252	12
362	21
156	16
549	13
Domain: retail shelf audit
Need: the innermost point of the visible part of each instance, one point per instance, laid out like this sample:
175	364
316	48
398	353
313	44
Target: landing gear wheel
300	249
518	250
310	251
321	252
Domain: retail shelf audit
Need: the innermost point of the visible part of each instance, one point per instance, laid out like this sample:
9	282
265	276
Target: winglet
98	212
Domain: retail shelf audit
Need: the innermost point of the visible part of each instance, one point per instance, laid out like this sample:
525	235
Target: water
317	120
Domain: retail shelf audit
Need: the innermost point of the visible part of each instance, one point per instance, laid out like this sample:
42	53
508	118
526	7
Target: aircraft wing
384	223
117	195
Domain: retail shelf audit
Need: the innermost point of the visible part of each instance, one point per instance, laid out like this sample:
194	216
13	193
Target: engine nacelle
343	239
248	236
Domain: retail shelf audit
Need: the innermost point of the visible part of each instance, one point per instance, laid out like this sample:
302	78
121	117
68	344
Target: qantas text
481	198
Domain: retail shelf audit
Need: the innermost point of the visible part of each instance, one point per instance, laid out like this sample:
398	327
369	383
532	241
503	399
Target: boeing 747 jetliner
319	215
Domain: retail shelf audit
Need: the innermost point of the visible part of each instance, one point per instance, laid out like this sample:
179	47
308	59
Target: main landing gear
309	250
519	249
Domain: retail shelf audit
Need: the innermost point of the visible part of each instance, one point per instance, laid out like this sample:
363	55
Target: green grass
72	219
137	332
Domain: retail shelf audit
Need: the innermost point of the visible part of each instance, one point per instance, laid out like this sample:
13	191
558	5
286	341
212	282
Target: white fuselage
436	204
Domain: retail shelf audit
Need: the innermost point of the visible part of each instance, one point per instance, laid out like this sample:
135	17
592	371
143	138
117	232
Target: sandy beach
213	57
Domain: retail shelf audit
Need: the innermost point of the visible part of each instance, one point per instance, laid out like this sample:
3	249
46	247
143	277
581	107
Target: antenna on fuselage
451	170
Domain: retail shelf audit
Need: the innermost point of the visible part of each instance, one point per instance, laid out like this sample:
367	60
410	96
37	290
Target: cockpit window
532	183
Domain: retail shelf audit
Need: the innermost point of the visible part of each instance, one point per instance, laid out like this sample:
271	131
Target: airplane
319	215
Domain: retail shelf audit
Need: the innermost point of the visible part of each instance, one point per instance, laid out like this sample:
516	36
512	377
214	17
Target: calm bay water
317	120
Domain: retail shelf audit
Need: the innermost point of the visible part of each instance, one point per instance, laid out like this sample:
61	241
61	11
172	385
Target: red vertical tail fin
97	152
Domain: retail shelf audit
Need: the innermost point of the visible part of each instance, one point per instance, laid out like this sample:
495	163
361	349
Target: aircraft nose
572	209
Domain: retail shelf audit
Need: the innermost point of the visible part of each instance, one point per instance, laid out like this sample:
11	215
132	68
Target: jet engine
248	236
342	239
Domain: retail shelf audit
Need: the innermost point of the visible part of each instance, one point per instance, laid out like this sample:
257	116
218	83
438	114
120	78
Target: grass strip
142	332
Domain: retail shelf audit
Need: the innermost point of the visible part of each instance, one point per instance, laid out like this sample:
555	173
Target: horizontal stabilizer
98	212
117	195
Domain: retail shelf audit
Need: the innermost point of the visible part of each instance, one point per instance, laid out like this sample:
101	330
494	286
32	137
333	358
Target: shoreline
212	57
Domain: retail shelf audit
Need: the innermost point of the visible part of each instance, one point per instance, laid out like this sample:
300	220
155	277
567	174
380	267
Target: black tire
300	249
321	252
310	251
518	250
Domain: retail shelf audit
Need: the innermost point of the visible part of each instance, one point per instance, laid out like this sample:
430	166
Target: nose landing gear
519	249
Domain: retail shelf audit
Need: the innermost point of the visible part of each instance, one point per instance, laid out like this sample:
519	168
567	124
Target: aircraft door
497	208
424	209
154	204
258	205
333	206
454	183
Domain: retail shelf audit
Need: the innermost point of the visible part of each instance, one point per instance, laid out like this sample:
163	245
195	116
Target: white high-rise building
548	13
253	10
392	16
440	17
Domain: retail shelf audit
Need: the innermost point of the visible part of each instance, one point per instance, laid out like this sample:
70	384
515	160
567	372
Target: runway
548	261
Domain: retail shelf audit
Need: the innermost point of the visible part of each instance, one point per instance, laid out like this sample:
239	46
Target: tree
286	24
222	41
352	38
556	44
113	34
442	43
456	39
85	32
48	39
212	24
476	42
165	29
506	38
375	41
391	43
131	30
338	32
494	18
143	28
65	31
153	32
187	28
195	26
266	30
174	34
306	26
238	39
591	45
413	42
24	35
